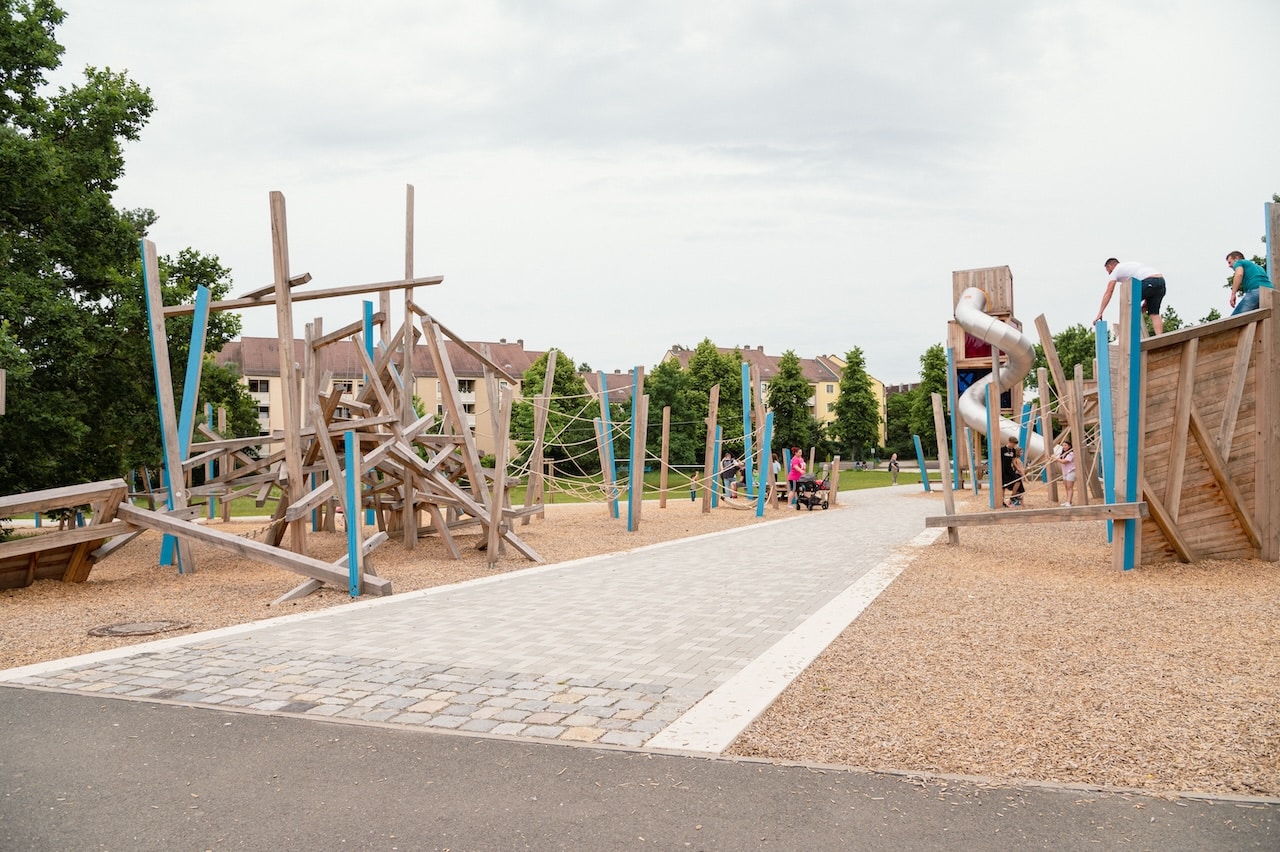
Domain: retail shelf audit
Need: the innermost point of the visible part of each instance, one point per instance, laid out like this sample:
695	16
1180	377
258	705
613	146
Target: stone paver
606	650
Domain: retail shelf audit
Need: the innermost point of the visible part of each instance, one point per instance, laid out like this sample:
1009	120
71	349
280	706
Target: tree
570	438
668	384
81	394
708	367
1074	345
857	424
933	379
898	412
788	398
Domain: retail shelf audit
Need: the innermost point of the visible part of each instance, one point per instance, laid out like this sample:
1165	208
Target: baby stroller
811	491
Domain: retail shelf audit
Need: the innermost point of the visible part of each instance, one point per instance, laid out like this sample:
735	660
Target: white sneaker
1067	504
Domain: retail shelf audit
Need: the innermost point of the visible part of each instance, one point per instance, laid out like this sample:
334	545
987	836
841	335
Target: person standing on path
1153	288
1247	278
729	475
894	467
794	474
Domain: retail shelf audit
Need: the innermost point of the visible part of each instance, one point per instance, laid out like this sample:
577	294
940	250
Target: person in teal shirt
1247	279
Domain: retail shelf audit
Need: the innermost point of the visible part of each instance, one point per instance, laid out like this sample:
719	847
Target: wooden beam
307	296
1181	433
1168	524
1230	491
1235	389
250	549
1056	515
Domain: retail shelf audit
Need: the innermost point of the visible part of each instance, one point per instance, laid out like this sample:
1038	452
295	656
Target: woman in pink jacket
794	474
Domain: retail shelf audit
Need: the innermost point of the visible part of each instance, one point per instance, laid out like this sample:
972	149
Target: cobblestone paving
607	650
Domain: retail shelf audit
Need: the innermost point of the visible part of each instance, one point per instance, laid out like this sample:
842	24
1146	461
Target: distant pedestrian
1153	288
729	475
793	475
1247	279
894	467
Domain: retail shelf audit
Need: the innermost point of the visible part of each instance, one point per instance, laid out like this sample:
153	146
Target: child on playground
1011	474
1066	459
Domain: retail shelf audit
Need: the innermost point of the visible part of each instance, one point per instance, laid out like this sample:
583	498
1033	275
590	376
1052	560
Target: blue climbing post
746	427
352	450
636	492
762	486
924	471
1106	418
186	421
956	434
606	445
1133	417
715	467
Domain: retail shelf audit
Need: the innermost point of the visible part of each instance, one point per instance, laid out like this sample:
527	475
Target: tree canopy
73	330
857	424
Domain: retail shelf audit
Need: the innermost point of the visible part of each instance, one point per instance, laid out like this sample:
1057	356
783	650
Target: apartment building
258	360
823	374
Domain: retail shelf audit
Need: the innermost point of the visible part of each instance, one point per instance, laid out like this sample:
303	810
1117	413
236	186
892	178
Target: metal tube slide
972	316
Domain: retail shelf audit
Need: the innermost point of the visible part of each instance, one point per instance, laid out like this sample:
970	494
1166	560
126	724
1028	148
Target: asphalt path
91	772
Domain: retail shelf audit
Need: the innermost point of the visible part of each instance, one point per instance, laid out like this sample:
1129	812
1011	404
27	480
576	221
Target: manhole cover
139	628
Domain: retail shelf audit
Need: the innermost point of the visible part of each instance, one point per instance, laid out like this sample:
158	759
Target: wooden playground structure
1177	439
371	458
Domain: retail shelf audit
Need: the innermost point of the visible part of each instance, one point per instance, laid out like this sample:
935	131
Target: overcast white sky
614	178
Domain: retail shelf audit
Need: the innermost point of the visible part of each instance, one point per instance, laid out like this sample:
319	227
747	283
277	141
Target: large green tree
933	379
788	398
857	425
668	384
708	367
570	438
73	331
898	410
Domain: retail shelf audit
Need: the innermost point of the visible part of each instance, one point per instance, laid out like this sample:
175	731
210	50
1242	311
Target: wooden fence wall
1210	446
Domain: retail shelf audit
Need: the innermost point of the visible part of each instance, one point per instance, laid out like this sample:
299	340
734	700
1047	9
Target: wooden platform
60	554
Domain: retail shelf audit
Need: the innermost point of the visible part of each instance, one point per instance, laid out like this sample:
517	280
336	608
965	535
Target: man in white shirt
1152	288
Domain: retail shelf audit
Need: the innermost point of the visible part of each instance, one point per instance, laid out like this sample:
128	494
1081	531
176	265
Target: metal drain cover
139	628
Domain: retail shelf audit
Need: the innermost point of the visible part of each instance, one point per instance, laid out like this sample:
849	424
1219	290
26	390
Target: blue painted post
1024	429
1106	420
762	488
924	471
1134	415
746	427
636	492
353	511
715	467
186	421
606	437
956	434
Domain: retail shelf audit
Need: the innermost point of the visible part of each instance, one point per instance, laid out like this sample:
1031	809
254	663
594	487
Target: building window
831	388
439	409
468	408
264	411
466	386
345	386
342	412
831	406
259	386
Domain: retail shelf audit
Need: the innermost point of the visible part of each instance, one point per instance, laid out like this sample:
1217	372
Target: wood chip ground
1019	655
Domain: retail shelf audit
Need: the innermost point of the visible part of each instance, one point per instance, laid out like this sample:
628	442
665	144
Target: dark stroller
811	491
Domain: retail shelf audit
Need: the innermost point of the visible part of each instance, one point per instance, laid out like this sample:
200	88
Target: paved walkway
677	646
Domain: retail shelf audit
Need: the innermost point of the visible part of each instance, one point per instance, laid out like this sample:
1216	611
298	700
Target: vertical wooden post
948	497
635	493
1046	429
497	521
1086	474
541	410
1267	401
294	485
164	393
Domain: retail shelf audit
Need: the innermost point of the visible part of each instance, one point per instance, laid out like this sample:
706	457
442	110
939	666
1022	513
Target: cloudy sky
614	178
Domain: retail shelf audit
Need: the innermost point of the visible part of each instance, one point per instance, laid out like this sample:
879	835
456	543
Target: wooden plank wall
1201	441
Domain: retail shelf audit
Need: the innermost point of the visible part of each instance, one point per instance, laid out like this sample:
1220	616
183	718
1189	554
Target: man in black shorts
1011	474
1152	288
